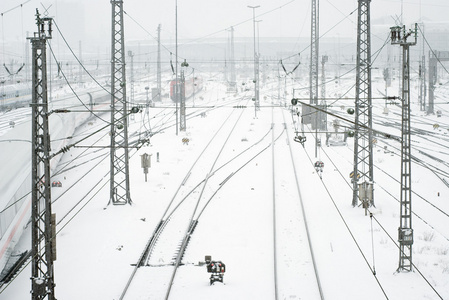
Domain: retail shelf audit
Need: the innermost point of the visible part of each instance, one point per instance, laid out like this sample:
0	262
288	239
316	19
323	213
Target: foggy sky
89	21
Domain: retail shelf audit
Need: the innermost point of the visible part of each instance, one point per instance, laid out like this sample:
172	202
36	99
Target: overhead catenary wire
377	221
305	222
432	50
208	35
73	91
77	59
349	230
322	35
372	243
376	54
414	266
84	68
79	202
386	191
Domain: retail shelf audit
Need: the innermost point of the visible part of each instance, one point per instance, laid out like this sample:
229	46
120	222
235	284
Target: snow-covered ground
97	243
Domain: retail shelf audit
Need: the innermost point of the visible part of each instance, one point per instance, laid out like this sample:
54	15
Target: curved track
170	231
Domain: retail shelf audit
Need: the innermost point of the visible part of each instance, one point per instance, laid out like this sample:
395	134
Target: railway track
290	224
69	208
421	196
148	259
12	118
178	220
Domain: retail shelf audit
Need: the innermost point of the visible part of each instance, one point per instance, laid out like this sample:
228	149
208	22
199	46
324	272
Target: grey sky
89	20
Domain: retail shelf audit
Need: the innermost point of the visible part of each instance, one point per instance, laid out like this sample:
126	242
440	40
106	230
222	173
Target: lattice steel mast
131	79
323	116
182	97
119	181
422	84
399	37
232	79
256	65
363	138
435	58
42	221
422	76
314	69
314	53
159	77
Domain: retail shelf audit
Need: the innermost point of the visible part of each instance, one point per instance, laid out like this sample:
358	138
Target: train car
15	203
191	86
15	96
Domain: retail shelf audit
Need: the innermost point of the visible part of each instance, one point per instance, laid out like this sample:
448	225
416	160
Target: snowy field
356	257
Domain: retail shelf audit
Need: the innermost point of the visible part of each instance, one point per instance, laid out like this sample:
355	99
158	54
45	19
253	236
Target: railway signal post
42	221
399	36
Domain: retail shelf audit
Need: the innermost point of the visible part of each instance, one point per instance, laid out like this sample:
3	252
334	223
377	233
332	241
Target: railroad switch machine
216	268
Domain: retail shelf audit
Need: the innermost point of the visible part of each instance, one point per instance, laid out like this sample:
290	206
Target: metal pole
159	81
194	88
131	79
43	231
405	232
363	138
119	174
258	36
258	69
314	66
182	97
255	56
232	82
176	68
80	69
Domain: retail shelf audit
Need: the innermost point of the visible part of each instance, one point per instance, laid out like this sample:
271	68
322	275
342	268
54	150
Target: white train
15	161
14	96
